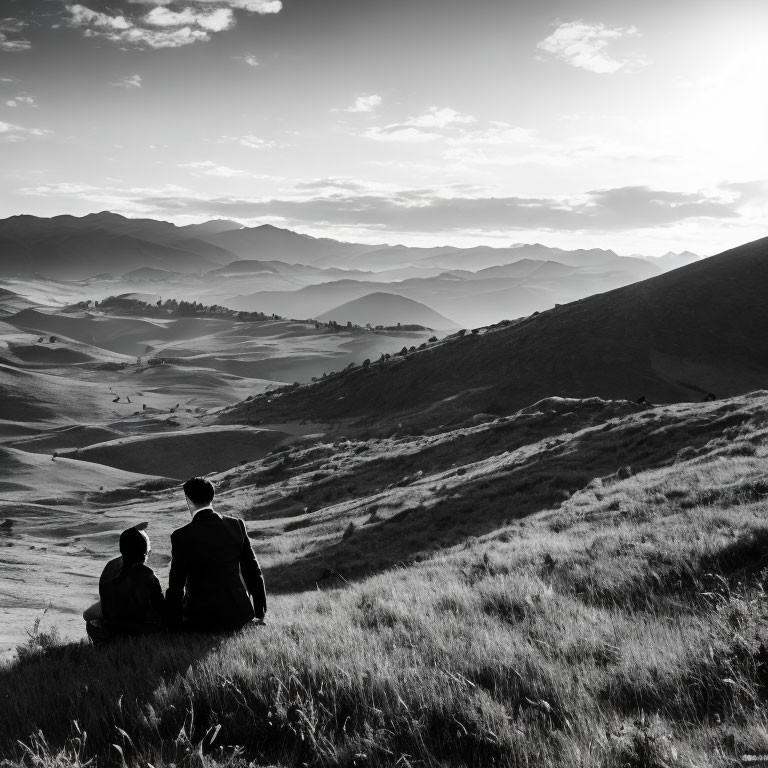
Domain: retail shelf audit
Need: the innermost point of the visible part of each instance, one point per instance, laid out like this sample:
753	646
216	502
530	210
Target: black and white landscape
461	307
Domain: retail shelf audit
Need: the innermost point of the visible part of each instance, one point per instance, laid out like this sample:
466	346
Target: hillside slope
676	337
585	590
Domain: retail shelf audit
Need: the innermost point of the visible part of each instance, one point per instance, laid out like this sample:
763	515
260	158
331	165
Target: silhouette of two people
215	582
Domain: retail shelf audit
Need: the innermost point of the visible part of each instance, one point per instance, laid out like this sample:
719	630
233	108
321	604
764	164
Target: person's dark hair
199	490
134	545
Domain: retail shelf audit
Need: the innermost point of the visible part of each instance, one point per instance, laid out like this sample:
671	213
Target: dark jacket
131	598
215	581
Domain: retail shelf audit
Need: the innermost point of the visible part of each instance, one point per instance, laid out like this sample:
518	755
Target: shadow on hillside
483	505
390	468
96	687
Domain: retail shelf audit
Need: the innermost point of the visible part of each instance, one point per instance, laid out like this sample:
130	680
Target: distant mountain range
681	336
68	247
275	270
470	298
672	260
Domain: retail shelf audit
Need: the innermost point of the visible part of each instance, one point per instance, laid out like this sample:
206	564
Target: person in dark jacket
215	583
131	598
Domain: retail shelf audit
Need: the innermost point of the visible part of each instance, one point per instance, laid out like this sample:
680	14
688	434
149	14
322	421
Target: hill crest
387	309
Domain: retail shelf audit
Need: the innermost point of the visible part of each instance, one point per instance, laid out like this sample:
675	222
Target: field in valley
93	403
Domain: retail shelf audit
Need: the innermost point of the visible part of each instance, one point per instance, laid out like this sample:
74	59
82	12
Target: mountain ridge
37	244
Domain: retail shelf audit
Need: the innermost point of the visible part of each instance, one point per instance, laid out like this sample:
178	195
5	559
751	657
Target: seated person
215	583
131	598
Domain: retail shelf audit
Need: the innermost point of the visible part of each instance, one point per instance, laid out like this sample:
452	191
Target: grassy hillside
677	337
579	584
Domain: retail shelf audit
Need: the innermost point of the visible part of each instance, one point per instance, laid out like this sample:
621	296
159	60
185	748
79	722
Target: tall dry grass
621	628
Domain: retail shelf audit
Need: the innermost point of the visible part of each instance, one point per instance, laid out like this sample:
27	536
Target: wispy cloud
209	168
11	38
12	133
249	59
584	46
251	142
431	211
366	103
494	133
500	144
18	101
436	117
162	27
113	198
421	128
133	81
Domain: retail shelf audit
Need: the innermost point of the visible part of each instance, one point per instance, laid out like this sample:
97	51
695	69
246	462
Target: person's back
131	598
132	601
215	582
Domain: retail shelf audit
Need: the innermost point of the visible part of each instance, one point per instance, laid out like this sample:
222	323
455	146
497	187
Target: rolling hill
677	337
193	451
386	309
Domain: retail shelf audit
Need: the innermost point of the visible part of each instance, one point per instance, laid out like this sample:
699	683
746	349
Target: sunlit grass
620	627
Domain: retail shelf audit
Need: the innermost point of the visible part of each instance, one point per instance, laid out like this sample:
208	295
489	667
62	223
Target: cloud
439	118
250	141
111	198
254	6
59	188
17	101
162	27
365	103
747	191
494	134
248	59
433	124
584	46
348	185
428	211
400	133
133	81
162	17
13	133
159	39
216	21
120	29
209	168
85	17
11	39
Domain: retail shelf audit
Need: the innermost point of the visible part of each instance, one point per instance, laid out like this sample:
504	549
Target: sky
637	126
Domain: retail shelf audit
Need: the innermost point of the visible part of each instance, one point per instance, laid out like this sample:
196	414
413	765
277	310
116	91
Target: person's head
134	546
199	493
